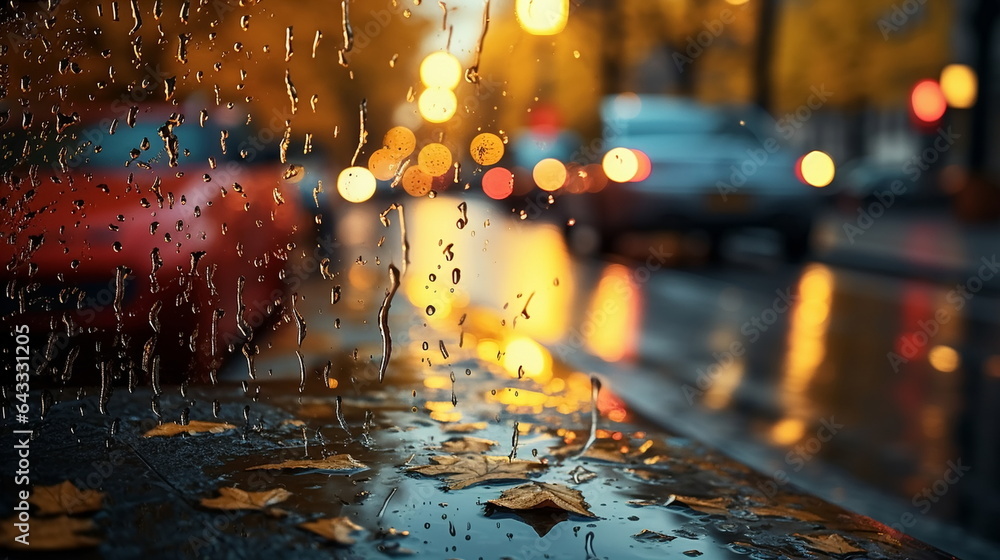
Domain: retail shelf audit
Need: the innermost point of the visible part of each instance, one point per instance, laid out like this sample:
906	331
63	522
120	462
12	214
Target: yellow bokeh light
486	149
437	105
788	431
416	181
356	184
400	141
549	174
959	85
435	159
944	359
440	70
524	357
817	169
542	17
620	165
383	164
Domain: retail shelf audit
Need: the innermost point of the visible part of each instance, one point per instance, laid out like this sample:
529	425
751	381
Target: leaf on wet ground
465	470
713	506
171	429
543	495
647	535
334	529
235	498
784	511
65	498
467	444
342	462
463	427
606	450
830	543
292	422
51	533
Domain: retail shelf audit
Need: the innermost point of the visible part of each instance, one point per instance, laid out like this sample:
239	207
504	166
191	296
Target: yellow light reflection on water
523	357
806	351
542	17
610	327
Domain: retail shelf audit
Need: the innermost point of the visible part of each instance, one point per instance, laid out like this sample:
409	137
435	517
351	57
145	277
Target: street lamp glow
959	85
437	105
620	165
549	174
356	184
440	69
542	17
817	169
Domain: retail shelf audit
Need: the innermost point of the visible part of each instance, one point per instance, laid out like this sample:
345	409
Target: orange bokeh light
928	101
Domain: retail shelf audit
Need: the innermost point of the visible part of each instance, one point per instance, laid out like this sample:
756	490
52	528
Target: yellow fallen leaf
235	498
466	470
50	533
713	506
467	444
463	428
342	462
65	498
831	543
539	495
336	529
193	427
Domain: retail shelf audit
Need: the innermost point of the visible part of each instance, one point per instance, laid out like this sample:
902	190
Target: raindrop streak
595	390
316	40
472	74
456	276
340	415
383	320
302	370
293	94
386	503
300	323
513	442
348	32
404	243
363	130
464	220
136	17
588	546
288	43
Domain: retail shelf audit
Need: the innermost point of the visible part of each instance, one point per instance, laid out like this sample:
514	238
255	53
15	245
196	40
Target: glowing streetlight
959	85
440	69
817	169
437	104
542	17
928	102
356	184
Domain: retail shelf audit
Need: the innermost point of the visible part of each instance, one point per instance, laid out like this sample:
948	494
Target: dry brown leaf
647	535
51	533
768	511
713	506
538	495
602	450
466	470
335	529
65	498
342	462
463	428
235	498
467	444
832	544
193	427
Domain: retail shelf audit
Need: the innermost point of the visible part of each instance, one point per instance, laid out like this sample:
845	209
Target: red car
147	253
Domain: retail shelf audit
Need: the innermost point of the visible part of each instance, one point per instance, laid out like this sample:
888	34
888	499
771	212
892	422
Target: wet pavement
808	398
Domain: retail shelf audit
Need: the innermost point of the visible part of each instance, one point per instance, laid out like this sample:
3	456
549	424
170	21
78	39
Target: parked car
711	169
123	263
